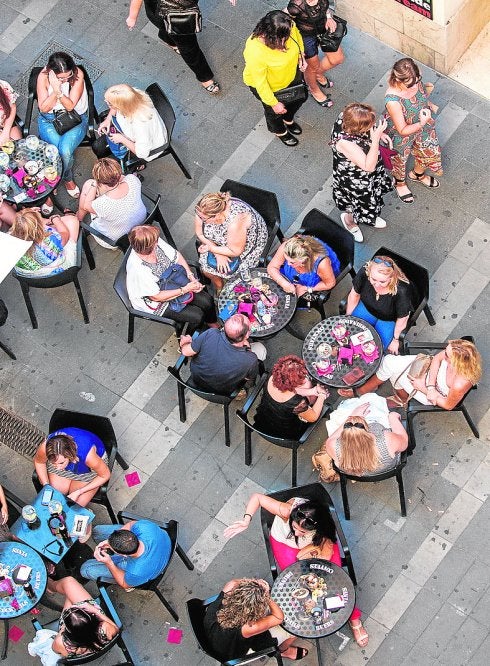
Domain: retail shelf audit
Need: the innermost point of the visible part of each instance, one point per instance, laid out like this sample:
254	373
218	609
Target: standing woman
186	46
8	109
313	17
272	55
61	86
359	177
412	128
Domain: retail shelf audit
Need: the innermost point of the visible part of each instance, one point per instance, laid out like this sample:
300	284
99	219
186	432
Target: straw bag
322	462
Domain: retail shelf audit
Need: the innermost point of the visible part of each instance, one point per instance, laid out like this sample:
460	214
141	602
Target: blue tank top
84	440
312	278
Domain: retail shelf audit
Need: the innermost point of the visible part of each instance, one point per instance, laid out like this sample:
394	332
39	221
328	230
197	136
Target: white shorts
395	368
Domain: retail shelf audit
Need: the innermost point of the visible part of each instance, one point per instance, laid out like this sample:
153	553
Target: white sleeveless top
80	107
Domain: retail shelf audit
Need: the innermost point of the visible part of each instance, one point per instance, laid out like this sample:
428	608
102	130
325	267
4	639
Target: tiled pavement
424	583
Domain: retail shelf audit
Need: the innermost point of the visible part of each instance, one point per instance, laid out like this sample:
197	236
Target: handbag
296	91
232	266
175	277
65	120
322	462
417	369
386	155
330	41
180	17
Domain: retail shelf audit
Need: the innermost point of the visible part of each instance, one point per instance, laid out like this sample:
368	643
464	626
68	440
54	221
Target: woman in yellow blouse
272	55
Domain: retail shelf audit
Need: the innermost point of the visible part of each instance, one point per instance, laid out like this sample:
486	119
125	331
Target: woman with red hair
289	401
8	109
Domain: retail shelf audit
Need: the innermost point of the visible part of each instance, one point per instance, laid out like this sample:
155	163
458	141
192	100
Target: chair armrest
343	306
89	229
426	345
266	534
107	602
128	515
266	652
28	119
253	395
210	600
36	624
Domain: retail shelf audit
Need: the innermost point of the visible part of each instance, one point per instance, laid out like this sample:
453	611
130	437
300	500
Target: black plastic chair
293	444
414	408
373	478
93	116
196	610
216	398
419	278
167	114
100	426
265	203
57	280
122	291
107	606
3	319
316	493
172	529
154	214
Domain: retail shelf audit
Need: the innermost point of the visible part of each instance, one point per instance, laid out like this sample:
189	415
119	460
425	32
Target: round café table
311	613
322	333
12	555
280	313
22	191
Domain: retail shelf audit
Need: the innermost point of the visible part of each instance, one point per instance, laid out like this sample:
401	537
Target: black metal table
322	334
280	314
305	590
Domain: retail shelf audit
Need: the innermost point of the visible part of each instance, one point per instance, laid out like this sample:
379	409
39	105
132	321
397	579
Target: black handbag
296	91
180	17
65	120
330	41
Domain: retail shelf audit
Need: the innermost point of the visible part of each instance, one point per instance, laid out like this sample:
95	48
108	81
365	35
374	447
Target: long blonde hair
131	102
29	225
358	452
245	604
466	360
304	249
393	272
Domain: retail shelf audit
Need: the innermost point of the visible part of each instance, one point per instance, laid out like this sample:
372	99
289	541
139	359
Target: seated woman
151	257
303	265
54	242
132	124
8	109
74	461
228	228
361	448
243	618
7	214
84	627
302	529
453	371
113	201
381	294
289	401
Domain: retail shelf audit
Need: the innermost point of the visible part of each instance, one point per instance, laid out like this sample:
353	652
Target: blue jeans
92	569
66	143
385	329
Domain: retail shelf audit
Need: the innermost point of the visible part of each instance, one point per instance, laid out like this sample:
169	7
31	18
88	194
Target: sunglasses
54	547
306	522
413	82
349	425
385	262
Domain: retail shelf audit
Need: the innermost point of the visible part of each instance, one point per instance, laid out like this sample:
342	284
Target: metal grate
18	434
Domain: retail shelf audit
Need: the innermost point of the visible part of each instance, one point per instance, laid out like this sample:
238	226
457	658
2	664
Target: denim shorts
310	43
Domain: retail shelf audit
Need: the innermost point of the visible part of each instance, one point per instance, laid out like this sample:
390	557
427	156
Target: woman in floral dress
359	177
412	128
228	228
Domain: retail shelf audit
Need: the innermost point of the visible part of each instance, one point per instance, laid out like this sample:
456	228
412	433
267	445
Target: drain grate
18	434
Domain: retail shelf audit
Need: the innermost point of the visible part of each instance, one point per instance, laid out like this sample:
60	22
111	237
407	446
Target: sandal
301	653
326	104
47	209
327	84
68	211
213	88
75	192
406	198
288	139
347	393
395	402
361	636
294	128
419	178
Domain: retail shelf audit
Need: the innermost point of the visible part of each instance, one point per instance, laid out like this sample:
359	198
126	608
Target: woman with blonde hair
412	128
303	265
113	201
359	177
381	294
132	124
363	447
54	242
233	235
452	372
244	617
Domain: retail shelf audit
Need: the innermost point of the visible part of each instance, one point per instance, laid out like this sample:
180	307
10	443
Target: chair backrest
327	230
120	284
373	478
163	106
14	504
196	610
418	276
215	398
264	202
58	279
99	425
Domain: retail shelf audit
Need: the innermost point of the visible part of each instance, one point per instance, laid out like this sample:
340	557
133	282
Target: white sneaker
380	223
355	231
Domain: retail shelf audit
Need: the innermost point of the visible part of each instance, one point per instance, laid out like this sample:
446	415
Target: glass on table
30	517
32	142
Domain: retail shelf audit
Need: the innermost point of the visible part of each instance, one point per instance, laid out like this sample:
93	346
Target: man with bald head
222	359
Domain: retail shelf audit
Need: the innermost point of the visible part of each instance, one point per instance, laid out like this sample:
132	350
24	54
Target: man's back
139	570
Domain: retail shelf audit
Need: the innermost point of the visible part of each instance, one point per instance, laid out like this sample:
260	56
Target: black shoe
294	128
327	103
288	139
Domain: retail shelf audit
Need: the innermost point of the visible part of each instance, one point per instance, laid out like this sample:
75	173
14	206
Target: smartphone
108	551
47	496
353	376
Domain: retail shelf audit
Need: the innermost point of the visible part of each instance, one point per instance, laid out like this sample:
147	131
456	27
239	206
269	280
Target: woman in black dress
185	45
359	177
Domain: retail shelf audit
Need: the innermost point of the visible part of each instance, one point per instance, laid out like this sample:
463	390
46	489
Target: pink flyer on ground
174	635
15	633
132	479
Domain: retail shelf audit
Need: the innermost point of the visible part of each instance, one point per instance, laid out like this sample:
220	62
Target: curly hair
316	518
404	71
358	452
245	604
274	29
358	118
304	249
466	360
393	271
61	444
289	372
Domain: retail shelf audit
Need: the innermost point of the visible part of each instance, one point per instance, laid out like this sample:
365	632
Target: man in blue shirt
141	551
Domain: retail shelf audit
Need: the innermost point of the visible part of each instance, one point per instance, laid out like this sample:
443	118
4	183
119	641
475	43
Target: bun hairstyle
212	204
404	71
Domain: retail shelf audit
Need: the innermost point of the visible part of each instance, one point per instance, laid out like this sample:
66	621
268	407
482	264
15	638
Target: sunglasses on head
306	522
349	425
385	262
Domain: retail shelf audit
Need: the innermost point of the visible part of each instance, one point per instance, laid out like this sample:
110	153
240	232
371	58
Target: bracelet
396	338
181	291
249	515
429	386
56	215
